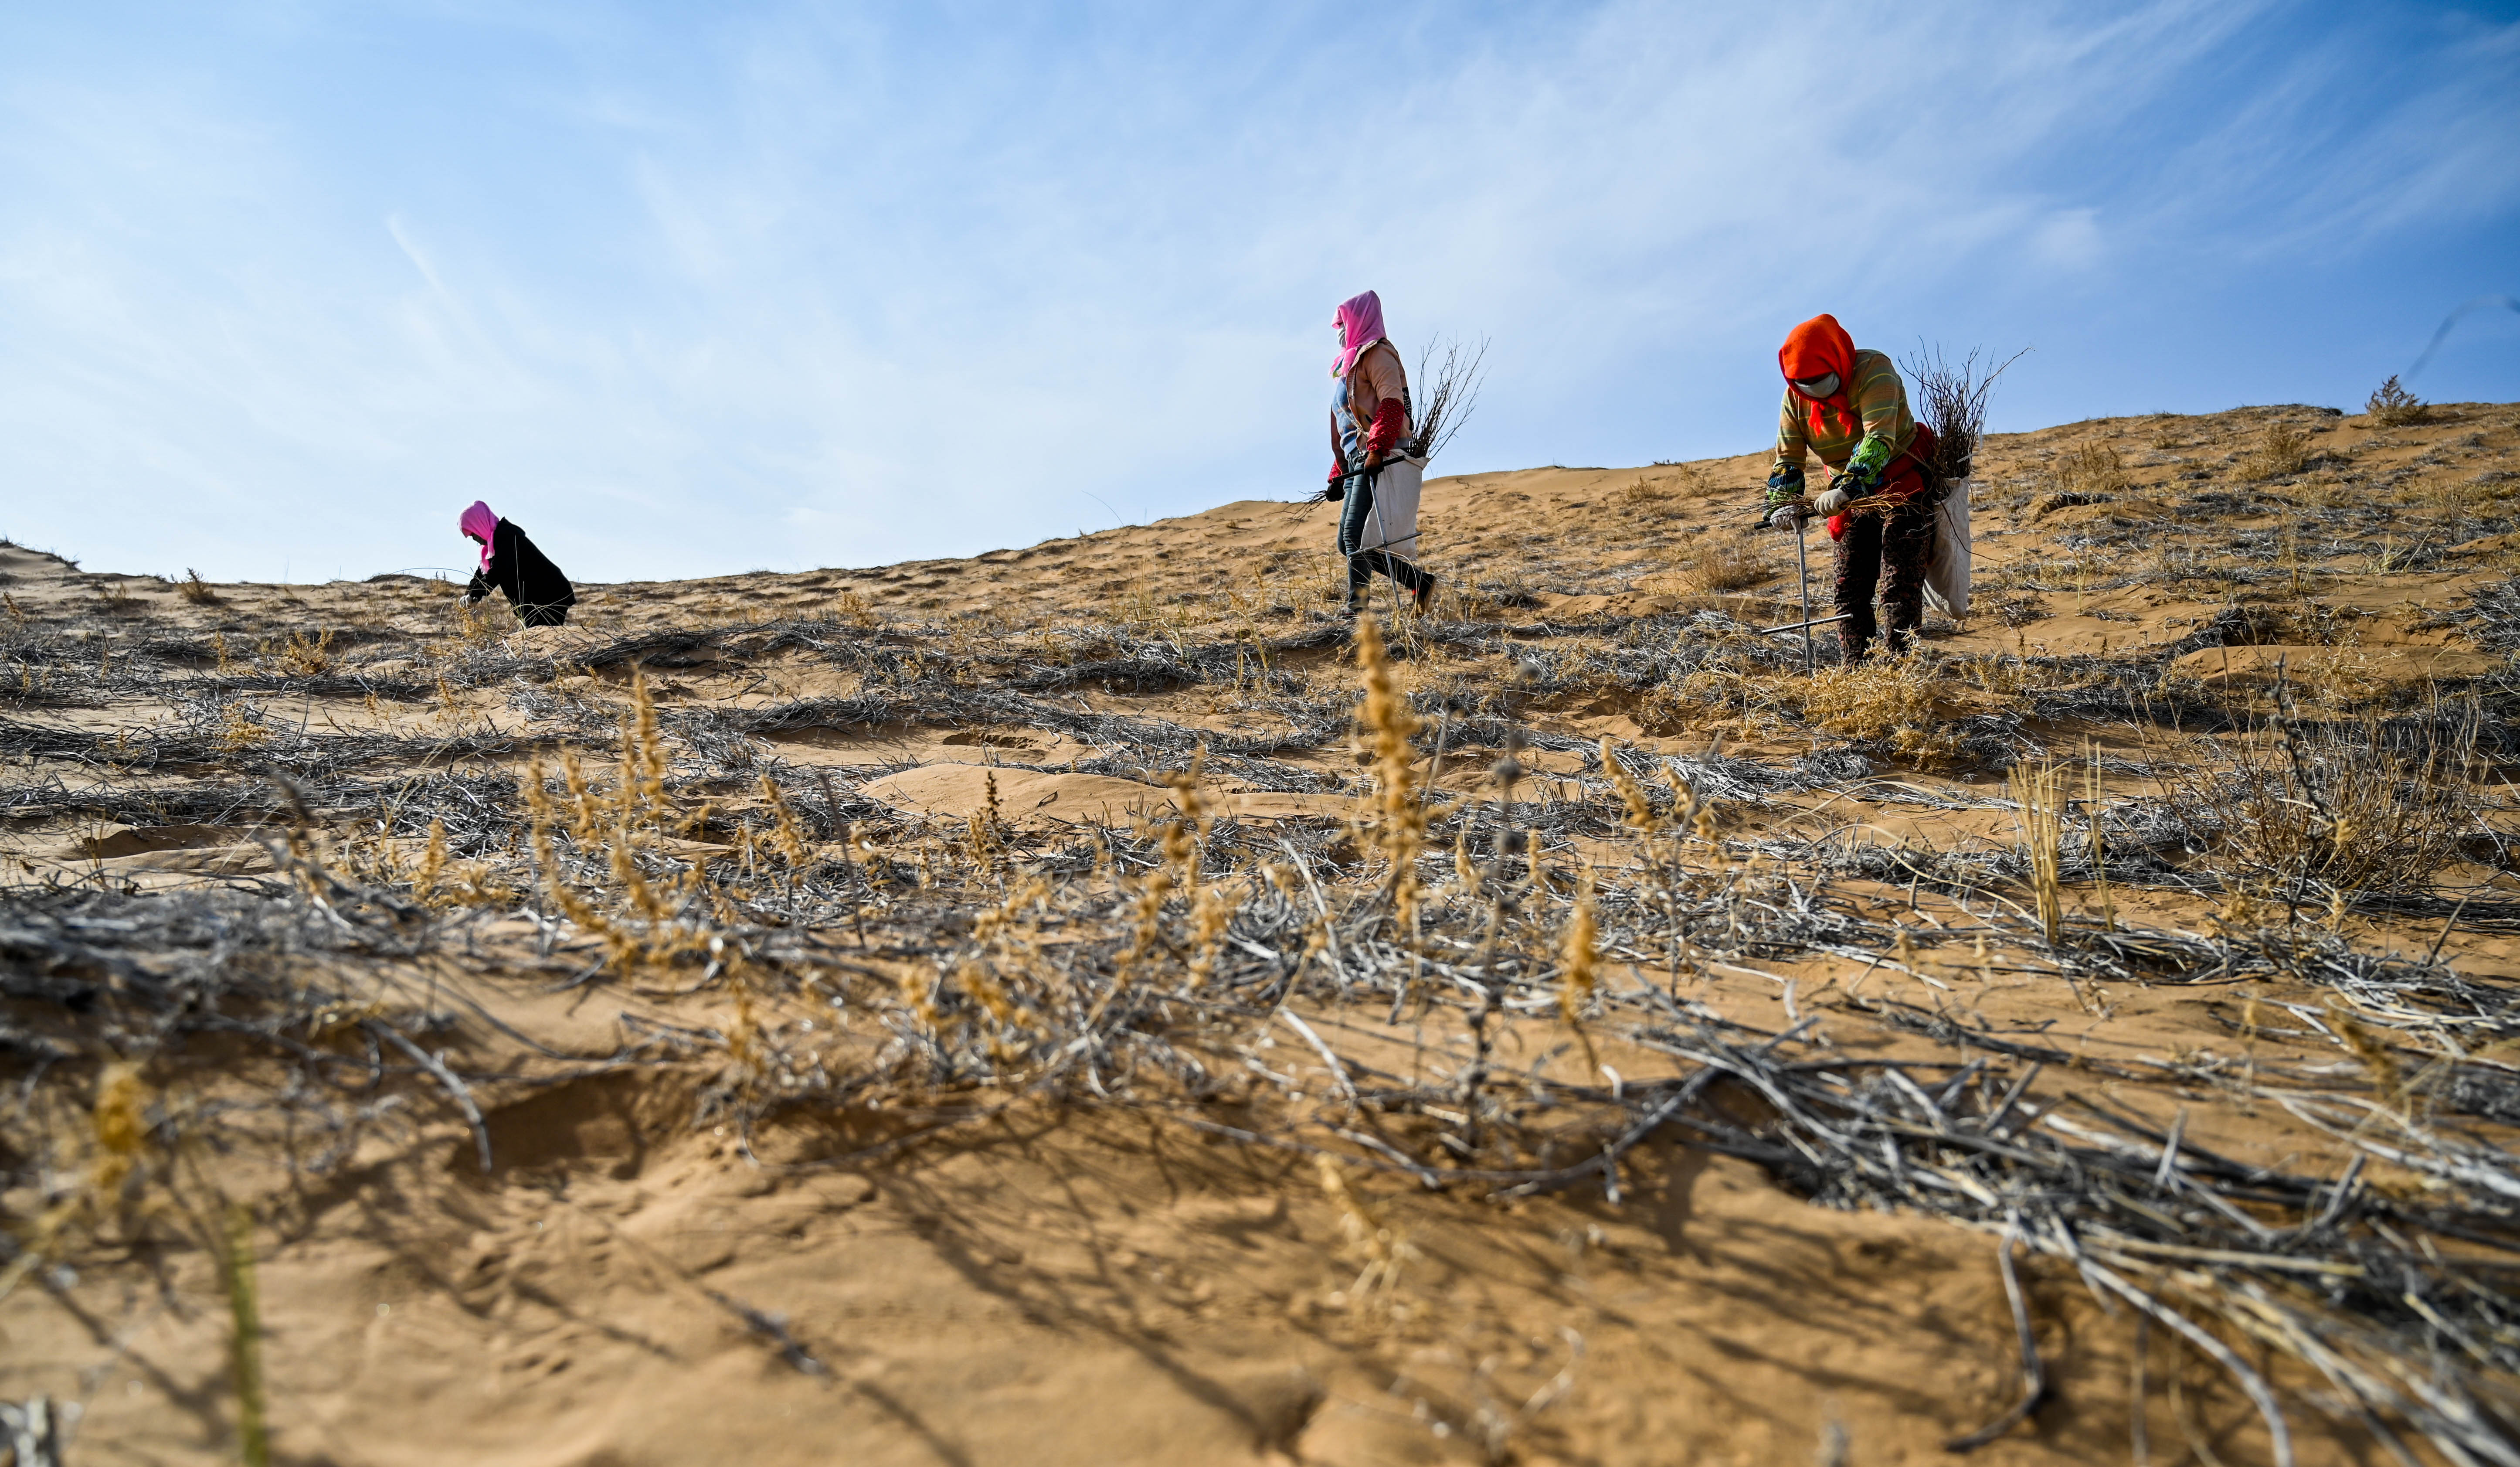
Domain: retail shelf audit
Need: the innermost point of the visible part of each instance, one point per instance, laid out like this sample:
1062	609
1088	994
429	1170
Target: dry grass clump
616	839
2093	468
2283	451
2392	406
1650	494
1892	703
195	590
2340	811
241	728
1712	566
1385	728
305	655
2087	474
2040	795
855	610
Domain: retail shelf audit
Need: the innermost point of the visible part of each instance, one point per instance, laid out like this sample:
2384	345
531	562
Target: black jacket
543	596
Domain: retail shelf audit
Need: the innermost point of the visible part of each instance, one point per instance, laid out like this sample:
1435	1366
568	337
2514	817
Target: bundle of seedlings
1448	390
1950	400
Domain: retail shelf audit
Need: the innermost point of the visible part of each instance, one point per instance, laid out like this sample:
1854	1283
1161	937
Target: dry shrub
2283	452
2338	808
1891	703
1711	566
195	590
855	610
2392	406
305	655
1712	699
240	729
1664	491
2092	469
1642	495
2091	474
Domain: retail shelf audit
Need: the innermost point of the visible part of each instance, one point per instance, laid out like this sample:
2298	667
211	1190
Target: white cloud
797	285
2070	239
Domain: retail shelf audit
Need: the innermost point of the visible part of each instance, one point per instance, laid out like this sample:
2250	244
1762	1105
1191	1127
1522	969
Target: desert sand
1010	1010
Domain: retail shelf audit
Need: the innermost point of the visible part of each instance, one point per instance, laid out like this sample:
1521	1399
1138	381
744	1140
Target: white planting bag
1393	525
1947	570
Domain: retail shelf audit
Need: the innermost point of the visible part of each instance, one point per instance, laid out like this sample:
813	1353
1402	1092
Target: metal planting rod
1802	574
1804	627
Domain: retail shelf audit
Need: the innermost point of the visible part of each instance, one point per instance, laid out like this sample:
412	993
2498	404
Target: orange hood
1815	349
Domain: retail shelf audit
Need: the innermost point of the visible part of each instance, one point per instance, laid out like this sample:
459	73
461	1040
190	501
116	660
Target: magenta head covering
1360	321
482	525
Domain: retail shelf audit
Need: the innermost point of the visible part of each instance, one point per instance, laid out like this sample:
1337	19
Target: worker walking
1851	409
513	564
1376	472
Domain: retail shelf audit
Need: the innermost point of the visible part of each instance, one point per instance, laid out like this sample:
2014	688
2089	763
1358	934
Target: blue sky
687	289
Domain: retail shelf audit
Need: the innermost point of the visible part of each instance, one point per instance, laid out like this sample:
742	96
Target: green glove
1866	467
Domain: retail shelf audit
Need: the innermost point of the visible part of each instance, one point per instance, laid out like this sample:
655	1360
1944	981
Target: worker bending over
1850	408
516	567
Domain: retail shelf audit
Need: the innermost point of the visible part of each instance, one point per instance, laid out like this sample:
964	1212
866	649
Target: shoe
1424	599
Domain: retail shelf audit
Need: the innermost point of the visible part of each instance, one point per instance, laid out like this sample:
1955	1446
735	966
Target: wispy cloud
798	285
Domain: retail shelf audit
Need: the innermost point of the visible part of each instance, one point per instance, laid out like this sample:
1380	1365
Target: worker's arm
1379	379
1793	447
1881	401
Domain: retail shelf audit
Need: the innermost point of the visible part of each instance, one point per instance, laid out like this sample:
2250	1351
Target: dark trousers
554	615
1885	549
1356	519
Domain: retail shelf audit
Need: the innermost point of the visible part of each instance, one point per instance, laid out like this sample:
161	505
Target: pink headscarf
1360	320
483	525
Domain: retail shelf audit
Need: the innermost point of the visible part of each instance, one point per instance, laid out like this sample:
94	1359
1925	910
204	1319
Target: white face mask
1824	386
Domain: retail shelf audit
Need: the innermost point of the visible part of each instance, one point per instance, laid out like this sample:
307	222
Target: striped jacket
1880	399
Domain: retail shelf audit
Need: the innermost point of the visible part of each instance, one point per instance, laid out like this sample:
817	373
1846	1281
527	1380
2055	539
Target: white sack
1393	525
1947	569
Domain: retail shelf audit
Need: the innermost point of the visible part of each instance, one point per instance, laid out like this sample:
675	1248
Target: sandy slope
640	1282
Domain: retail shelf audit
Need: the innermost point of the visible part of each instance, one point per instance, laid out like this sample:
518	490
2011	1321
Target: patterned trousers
1885	549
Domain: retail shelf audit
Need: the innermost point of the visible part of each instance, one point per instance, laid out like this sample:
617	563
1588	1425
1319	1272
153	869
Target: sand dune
879	1065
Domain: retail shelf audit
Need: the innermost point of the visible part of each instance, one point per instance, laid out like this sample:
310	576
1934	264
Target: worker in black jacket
510	563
